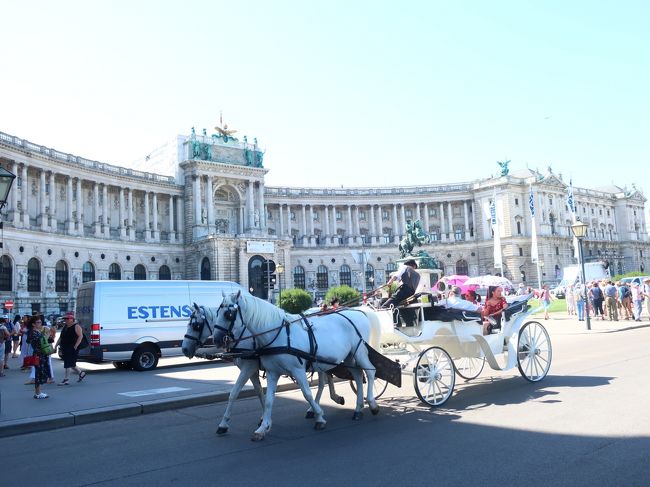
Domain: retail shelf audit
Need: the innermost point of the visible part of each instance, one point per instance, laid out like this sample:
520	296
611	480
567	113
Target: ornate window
114	272
370	276
87	272
299	277
139	273
345	275
61	277
34	276
6	271
164	274
206	274
322	277
462	268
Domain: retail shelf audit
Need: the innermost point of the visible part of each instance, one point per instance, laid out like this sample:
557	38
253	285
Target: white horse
289	345
199	329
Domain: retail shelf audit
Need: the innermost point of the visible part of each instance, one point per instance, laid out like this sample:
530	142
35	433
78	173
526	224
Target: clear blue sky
341	92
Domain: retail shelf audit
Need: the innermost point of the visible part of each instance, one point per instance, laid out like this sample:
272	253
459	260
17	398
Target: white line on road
150	392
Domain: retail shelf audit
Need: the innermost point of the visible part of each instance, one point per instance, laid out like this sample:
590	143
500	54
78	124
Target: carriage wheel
378	386
469	367
534	351
433	376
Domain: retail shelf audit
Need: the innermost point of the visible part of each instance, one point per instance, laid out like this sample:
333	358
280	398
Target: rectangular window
600	212
607	212
550	201
516	201
518	228
557	250
408	213
384	215
459	234
592	211
269	216
339	216
432	212
293	216
315	213
362	215
521	252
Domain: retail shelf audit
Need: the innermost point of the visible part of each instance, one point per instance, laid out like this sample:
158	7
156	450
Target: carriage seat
441	313
516	306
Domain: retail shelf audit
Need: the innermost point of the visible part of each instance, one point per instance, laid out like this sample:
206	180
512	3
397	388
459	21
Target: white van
134	323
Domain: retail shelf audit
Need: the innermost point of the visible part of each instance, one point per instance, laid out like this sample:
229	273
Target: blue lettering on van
155	312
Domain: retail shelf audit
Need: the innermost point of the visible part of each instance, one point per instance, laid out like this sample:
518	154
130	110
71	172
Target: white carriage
444	342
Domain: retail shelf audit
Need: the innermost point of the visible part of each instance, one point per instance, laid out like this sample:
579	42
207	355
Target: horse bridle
199	328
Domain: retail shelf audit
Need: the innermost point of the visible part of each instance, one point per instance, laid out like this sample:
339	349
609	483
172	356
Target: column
196	189
380	224
280	217
154	211
209	203
131	223
105	212
96	221
335	232
395	224
262	209
357	225
147	224
451	221
23	196
68	206
349	223
80	216
418	216
54	226
443	233
304	221
311	220
15	217
121	226
42	201
372	228
242	219
465	212
180	218
289	220
426	217
326	216
250	208
403	217
171	233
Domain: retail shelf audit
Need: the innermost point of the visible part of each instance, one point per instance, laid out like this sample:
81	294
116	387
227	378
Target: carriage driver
409	278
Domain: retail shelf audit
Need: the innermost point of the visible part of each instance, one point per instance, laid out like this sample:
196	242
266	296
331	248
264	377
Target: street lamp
579	230
279	269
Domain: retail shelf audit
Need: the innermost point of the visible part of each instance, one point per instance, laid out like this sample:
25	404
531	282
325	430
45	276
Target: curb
87	416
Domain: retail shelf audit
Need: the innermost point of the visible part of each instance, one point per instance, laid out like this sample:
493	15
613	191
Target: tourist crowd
611	300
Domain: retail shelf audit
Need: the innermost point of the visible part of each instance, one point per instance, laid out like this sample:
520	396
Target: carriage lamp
579	229
279	269
6	180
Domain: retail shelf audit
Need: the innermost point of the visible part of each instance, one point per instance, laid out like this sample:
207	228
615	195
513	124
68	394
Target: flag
498	260
570	201
534	255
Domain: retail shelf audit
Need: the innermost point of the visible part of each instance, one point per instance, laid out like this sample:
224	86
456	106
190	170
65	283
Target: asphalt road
585	424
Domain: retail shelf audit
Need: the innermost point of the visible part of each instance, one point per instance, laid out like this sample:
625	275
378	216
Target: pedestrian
579	295
42	370
570	300
610	301
7	343
15	338
646	294
546	300
5	336
25	347
69	341
637	301
597	298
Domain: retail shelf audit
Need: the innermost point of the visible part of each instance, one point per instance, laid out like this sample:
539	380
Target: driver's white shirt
457	303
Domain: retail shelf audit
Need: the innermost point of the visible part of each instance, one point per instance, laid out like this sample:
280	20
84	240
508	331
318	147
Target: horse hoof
319	426
257	437
374	411
357	416
341	401
310	415
221	430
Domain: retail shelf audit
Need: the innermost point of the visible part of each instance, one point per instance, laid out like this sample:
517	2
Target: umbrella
487	281
455	279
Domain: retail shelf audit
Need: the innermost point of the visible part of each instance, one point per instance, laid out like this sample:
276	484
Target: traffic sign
9	304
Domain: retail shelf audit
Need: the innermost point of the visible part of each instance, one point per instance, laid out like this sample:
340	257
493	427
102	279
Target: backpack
46	347
626	292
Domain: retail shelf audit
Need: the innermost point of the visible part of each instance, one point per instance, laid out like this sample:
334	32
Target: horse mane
256	311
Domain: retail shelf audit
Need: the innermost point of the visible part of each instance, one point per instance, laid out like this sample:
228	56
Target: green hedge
295	300
347	295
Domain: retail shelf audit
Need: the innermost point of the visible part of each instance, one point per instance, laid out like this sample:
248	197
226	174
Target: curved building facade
207	214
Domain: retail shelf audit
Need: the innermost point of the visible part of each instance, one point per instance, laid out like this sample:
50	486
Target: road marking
151	392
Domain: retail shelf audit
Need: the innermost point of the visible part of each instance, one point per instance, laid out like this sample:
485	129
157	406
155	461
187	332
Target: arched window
34	276
206	275
6	271
370	277
322	281
88	272
114	272
139	273
164	274
462	268
299	277
345	275
61	277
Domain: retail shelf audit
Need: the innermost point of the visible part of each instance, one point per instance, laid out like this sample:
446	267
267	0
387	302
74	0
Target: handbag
84	342
32	361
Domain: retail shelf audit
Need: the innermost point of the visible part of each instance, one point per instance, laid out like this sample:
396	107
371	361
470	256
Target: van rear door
85	315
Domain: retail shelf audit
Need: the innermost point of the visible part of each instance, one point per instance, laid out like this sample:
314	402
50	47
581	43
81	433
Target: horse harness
230	342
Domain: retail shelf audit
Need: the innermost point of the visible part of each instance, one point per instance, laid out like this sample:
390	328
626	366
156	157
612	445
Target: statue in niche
75	280
50	280
22	278
203	217
256	218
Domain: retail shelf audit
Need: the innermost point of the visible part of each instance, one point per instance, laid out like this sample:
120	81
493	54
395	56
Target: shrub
295	300
629	274
347	295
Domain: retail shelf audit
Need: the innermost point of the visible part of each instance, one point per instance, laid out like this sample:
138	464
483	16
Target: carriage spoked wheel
378	386
434	376
469	367
534	351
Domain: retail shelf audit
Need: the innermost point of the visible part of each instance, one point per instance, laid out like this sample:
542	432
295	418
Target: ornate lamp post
579	229
279	269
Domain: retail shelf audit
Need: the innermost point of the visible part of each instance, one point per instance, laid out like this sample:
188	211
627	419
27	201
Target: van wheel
122	365
144	358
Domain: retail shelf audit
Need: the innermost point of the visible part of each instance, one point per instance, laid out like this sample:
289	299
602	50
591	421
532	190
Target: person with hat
409	280
637	301
69	340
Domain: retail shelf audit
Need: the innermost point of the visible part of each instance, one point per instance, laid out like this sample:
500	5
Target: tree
295	300
347	295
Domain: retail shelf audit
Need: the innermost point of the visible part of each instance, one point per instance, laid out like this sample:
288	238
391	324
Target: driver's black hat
412	263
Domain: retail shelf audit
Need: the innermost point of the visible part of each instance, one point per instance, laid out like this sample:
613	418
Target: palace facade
70	220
